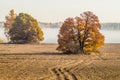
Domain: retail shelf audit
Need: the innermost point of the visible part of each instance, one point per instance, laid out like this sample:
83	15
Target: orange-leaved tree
8	24
80	34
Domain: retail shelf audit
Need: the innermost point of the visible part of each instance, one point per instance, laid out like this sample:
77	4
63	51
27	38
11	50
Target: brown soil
43	62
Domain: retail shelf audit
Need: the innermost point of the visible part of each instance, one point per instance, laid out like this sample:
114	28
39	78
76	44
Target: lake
50	35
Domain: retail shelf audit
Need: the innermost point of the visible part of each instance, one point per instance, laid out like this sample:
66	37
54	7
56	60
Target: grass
43	62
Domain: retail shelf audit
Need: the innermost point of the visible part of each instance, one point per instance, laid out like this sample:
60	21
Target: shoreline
49	43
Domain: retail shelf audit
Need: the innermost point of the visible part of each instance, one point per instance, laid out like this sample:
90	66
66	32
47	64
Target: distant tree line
110	26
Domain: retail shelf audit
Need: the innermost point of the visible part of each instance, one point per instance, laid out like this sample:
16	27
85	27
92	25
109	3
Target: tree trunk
81	45
79	38
85	36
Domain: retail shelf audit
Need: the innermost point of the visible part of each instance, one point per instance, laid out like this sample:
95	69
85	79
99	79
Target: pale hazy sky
59	10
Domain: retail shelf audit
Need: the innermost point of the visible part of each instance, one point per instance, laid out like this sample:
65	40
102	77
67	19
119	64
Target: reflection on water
50	35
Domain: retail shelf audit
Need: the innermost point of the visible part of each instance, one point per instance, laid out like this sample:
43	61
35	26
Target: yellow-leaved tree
25	29
1	40
80	34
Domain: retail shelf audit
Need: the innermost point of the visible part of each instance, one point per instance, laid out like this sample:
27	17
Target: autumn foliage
8	24
1	40
80	34
24	29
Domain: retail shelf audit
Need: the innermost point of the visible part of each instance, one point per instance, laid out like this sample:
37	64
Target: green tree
80	34
25	30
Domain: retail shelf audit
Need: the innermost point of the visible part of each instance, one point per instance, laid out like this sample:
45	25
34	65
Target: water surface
50	35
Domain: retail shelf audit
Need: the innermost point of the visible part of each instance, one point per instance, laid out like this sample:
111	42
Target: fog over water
50	35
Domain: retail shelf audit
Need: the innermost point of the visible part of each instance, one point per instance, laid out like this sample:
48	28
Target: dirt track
43	62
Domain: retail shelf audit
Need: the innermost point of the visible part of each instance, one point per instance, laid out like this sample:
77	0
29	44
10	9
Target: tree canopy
8	24
80	34
1	40
25	29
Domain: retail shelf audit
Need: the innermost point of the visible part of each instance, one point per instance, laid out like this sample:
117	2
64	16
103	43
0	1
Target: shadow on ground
41	53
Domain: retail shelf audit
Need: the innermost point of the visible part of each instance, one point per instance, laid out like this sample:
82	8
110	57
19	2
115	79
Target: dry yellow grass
43	62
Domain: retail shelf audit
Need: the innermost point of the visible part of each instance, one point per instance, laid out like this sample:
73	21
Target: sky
59	10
